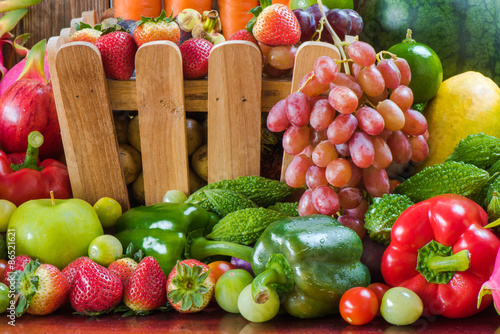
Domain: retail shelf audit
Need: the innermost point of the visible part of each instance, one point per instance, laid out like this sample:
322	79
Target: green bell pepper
160	230
311	261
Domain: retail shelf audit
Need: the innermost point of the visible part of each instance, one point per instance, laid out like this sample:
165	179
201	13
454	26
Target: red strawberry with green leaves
117	50
95	290
195	52
18	263
72	268
123	268
190	286
40	289
162	28
146	289
84	32
274	24
243	35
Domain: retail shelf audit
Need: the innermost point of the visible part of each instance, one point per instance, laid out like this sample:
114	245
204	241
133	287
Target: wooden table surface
214	320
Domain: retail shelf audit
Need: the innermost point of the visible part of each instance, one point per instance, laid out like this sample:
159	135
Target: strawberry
86	33
123	268
72	268
40	289
275	24
243	35
158	29
190	286
95	290
117	50
146	289
195	52
18	263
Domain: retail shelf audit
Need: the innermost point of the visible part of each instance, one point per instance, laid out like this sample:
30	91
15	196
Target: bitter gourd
447	178
480	150
288	208
224	201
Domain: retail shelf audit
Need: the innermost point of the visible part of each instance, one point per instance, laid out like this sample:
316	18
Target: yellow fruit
465	104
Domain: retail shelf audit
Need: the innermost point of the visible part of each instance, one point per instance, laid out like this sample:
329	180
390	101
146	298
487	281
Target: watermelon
465	34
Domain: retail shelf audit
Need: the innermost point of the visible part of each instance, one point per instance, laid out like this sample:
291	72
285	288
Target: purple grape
242	264
356	20
306	22
316	13
128	25
340	22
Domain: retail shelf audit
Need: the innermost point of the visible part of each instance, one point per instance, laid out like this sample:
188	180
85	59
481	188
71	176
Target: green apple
54	231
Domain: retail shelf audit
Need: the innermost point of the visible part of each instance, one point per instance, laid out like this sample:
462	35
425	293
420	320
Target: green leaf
250	24
201	278
175	296
187	302
22	306
197	299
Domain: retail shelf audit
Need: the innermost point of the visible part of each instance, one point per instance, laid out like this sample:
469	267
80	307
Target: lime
108	210
425	65
174	196
6	210
105	249
342	4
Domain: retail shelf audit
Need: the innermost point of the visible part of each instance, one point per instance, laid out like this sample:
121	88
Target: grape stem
305	83
381	54
336	39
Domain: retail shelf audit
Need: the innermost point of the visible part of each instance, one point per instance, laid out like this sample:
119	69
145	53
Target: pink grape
325	69
393	116
315	177
307	151
313	99
403	97
357	175
323	153
325	200
295	139
338	172
342	128
316	137
343	99
297	109
277	120
322	114
375	100
404	69
343	149
359	211
350	197
295	175
350	82
426	134
306	206
383	154
362	53
355	69
282	57
400	147
390	72
419	148
361	148
415	122
354	224
385	134
370	121
371	80
313	87
376	181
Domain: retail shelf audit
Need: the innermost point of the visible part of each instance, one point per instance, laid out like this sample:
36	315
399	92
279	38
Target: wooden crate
234	95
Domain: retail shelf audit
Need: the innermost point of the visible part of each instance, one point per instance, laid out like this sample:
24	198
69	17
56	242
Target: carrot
234	15
178	5
133	9
285	2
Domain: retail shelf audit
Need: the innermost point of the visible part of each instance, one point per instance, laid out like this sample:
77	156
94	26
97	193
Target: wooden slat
304	61
87	127
234	110
162	120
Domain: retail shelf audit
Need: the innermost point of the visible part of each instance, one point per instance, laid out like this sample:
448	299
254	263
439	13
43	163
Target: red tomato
379	289
358	306
220	267
3	265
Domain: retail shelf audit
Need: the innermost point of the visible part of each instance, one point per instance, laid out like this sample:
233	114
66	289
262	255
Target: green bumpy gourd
289	208
315	260
480	150
225	201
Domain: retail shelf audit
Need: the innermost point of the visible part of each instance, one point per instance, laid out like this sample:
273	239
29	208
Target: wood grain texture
304	61
86	120
234	110
162	120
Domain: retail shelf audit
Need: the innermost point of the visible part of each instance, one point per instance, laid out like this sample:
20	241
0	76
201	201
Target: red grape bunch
345	130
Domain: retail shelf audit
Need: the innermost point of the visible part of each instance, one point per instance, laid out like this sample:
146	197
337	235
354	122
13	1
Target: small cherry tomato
220	267
358	306
379	289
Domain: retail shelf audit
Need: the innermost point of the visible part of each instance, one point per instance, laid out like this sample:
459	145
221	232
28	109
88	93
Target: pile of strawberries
92	289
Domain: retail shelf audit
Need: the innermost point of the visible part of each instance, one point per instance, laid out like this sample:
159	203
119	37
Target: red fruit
118	50
277	25
85	33
123	268
72	268
195	52
146	289
18	263
243	35
95	290
190	286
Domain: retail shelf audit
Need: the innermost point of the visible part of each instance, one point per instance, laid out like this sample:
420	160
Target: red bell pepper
440	250
32	180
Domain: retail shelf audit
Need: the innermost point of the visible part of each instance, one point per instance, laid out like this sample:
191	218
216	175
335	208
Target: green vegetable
447	178
244	226
262	191
382	214
480	197
479	150
495	168
492	200
225	201
288	208
462	33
